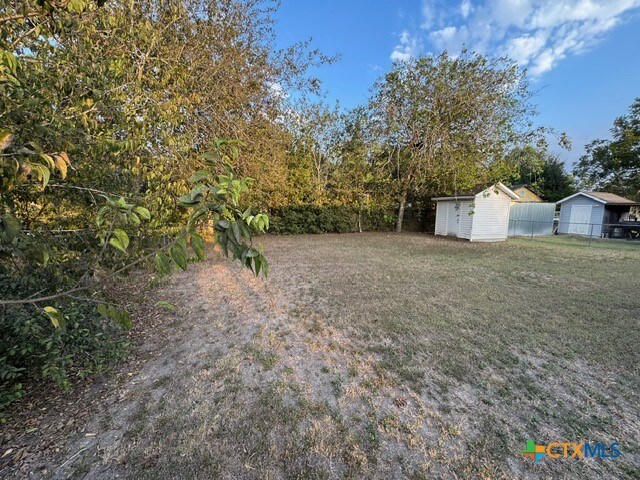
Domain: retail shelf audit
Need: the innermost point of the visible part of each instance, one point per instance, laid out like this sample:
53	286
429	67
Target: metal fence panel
532	218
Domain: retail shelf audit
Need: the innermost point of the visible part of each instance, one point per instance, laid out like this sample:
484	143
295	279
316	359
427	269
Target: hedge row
327	219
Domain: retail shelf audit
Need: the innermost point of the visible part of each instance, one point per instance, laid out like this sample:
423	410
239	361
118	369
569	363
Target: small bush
32	350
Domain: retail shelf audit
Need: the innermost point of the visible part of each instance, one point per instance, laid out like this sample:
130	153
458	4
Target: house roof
471	193
528	187
603	197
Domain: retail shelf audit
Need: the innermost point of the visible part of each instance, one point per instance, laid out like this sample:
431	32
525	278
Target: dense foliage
105	115
329	219
543	172
614	165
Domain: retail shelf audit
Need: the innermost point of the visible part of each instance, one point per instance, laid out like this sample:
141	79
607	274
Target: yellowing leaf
57	319
48	160
61	165
5	139
65	157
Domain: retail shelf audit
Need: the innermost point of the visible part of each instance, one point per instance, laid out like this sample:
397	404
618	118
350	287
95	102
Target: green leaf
77	6
163	263
143	213
194	196
114	242
57	319
121	316
9	228
134	219
194	217
37	255
200	175
45	174
265	265
179	255
124	319
103	310
120	241
123	204
235	228
211	158
100	217
165	305
197	244
122	236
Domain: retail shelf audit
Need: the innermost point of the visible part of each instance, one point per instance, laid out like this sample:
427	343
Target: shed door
579	220
452	219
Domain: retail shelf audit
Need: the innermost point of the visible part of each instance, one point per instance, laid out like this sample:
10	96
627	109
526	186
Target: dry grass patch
384	356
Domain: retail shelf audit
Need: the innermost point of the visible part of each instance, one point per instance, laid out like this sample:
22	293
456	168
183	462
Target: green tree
556	182
315	128
353	176
444	121
106	109
544	172
614	165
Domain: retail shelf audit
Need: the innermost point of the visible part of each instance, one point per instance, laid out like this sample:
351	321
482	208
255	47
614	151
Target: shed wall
526	195
491	216
597	215
441	218
466	219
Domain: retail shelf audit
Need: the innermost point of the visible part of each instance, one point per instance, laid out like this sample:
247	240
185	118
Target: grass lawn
525	339
386	356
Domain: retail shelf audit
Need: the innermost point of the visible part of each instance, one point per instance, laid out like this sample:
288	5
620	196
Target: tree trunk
360	220
403	203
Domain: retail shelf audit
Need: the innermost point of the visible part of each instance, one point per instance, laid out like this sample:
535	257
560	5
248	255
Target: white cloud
465	8
524	48
428	13
409	46
449	38
277	91
536	33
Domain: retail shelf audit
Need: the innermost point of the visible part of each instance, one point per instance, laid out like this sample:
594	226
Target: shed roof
471	193
603	197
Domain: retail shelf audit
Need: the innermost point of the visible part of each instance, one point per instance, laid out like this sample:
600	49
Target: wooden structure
525	194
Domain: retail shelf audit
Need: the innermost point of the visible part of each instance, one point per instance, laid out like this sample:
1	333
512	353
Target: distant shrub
327	219
378	219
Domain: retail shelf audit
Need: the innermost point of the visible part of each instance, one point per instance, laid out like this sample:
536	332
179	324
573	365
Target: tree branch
85	287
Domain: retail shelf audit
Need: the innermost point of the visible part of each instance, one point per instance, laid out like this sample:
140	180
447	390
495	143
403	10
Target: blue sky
581	55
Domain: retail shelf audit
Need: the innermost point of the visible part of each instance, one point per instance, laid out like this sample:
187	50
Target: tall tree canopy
542	171
445	121
614	165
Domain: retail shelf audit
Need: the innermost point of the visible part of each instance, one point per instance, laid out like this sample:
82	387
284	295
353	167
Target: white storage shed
482	215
